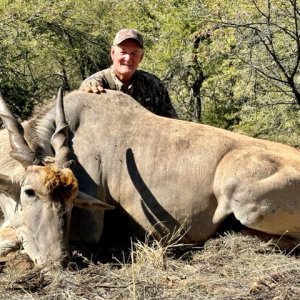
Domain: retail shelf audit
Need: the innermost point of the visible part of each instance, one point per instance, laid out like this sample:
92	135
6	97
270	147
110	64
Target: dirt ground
233	266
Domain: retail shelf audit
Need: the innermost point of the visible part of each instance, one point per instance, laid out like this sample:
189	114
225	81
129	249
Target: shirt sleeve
166	107
153	95
96	79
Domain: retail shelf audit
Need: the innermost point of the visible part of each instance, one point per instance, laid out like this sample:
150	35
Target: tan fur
51	179
166	174
8	241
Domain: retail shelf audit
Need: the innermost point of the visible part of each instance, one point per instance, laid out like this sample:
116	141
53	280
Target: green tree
251	58
232	65
47	45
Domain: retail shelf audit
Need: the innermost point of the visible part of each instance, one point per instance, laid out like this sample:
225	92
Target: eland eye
29	192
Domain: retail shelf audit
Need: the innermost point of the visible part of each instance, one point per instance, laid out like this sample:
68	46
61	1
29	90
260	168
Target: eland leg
9	241
262	192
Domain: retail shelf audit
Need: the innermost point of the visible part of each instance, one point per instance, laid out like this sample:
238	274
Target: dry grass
234	266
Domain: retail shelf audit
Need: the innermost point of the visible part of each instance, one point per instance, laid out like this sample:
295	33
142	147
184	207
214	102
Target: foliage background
229	64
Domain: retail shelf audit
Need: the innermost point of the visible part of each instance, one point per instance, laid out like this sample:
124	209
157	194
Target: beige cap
125	34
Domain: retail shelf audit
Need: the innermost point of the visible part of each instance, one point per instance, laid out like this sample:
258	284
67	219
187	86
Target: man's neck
124	79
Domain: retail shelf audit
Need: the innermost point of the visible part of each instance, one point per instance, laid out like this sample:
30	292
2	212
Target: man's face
126	58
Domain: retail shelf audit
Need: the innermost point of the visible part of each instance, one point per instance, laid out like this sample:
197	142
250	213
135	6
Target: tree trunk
195	98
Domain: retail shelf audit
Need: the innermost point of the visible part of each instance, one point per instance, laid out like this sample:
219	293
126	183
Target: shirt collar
119	84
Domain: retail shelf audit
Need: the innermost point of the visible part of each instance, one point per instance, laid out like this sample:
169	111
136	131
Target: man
127	52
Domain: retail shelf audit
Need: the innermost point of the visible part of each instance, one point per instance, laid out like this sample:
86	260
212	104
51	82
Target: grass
233	266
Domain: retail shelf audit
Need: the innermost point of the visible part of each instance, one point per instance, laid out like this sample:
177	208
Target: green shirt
145	88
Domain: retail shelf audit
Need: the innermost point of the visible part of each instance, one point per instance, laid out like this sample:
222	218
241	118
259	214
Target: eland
38	193
165	174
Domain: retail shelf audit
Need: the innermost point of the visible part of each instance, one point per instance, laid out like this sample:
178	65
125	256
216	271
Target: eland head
43	194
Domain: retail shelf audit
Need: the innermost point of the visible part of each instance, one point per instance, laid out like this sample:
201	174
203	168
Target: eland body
166	174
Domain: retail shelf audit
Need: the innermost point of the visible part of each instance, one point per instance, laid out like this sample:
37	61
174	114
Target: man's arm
93	84
152	94
167	109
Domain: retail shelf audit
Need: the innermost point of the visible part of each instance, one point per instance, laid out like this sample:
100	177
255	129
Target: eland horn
60	137
20	149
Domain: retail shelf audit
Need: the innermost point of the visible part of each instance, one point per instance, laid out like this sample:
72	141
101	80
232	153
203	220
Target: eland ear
7	185
84	200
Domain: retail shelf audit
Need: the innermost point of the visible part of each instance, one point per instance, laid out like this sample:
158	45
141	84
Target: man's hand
96	89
